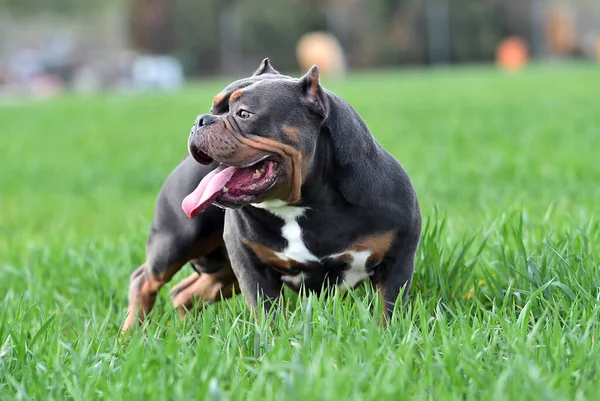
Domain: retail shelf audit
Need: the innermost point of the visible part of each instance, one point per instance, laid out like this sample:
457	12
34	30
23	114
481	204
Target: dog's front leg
260	284
394	276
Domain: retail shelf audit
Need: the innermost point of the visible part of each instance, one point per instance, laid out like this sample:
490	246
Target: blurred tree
400	25
186	28
230	36
197	33
151	25
28	7
272	27
477	26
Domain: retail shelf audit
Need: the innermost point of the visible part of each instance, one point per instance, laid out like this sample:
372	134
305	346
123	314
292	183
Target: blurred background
51	46
492	107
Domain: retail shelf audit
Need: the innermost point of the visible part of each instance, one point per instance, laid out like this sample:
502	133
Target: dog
283	185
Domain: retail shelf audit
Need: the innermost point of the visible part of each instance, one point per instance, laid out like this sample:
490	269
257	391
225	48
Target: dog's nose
206	119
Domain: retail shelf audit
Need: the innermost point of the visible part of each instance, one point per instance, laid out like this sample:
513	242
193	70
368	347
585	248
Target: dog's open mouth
229	185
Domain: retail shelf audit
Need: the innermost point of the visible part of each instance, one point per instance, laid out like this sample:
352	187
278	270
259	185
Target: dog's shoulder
367	174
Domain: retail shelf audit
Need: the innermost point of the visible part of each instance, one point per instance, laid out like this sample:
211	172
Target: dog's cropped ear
313	92
265	68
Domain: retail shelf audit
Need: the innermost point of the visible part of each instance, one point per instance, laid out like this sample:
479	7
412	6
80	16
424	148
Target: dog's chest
298	264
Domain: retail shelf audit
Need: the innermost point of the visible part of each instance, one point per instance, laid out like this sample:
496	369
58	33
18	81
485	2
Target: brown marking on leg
204	287
387	298
147	280
268	256
345	257
134	287
383	320
184	284
205	245
143	289
378	244
236	95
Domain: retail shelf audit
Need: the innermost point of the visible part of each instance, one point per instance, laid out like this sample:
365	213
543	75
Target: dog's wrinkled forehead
221	101
277	96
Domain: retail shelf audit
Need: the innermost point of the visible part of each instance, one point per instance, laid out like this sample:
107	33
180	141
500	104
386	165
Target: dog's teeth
257	174
224	189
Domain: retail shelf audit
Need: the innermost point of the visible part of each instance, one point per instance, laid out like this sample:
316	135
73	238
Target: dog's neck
320	184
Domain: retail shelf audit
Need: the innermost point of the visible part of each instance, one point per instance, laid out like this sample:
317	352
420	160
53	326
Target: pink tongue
206	192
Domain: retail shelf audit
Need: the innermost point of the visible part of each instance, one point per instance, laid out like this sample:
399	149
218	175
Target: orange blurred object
322	49
561	32
512	54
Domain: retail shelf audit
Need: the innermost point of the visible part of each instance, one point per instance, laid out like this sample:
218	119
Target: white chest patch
297	251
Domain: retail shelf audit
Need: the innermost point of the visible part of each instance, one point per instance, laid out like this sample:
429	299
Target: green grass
506	301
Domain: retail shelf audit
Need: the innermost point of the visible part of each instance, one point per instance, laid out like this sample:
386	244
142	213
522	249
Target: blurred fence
231	36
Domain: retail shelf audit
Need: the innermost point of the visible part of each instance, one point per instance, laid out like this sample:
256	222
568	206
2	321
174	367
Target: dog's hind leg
394	275
204	288
174	239
144	284
166	256
213	281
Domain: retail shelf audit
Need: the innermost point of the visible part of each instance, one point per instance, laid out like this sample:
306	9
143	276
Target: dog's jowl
284	185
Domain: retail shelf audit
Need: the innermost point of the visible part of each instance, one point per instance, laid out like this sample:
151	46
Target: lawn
506	301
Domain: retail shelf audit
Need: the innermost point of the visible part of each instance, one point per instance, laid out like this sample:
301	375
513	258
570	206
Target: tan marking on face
228	147
218	99
296	168
291	133
268	256
236	95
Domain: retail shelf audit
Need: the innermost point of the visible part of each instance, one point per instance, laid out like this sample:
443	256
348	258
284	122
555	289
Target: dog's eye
243	114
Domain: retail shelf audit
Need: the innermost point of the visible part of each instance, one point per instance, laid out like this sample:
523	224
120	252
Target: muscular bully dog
306	197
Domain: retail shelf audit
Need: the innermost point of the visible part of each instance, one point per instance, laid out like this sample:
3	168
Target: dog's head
263	131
